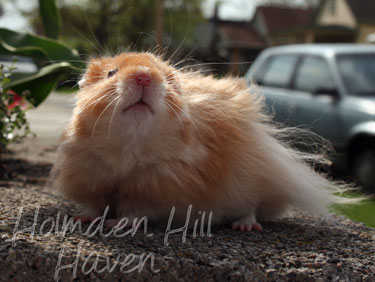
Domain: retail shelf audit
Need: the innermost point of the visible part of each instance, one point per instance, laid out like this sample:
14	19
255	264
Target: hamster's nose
143	79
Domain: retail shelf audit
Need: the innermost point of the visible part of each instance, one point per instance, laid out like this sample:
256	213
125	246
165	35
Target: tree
98	26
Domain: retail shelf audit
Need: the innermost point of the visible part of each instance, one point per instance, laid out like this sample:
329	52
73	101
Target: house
357	16
224	42
236	42
332	21
282	25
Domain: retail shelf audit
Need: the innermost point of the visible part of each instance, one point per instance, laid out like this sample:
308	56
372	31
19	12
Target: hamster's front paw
247	223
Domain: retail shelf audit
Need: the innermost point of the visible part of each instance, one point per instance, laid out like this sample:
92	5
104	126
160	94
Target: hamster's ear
96	70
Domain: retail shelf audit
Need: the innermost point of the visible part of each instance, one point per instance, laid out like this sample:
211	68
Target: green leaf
25	44
41	83
50	18
28	51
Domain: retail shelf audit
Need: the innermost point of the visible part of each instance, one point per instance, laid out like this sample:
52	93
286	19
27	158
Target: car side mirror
258	82
327	91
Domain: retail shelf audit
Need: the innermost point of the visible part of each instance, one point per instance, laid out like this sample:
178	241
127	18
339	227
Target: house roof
242	36
363	10
282	18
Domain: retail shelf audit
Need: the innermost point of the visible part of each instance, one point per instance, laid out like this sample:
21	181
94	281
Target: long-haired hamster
146	137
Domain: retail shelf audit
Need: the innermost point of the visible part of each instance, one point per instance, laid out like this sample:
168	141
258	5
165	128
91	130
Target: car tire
363	168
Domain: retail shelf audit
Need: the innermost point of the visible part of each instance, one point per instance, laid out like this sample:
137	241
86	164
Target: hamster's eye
112	72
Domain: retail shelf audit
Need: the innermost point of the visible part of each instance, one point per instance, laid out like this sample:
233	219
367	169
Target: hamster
145	137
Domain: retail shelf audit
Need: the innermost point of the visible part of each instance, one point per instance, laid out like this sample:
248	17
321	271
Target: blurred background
228	31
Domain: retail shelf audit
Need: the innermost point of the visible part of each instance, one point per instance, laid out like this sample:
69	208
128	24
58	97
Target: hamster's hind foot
247	223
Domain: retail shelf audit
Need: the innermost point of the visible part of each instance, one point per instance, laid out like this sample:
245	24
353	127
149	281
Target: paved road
47	121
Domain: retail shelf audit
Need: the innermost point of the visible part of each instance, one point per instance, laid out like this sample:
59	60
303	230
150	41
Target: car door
316	99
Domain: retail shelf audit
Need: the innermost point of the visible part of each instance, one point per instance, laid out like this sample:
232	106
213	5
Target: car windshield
358	73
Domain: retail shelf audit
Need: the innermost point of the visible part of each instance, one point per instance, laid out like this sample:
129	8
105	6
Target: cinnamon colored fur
199	140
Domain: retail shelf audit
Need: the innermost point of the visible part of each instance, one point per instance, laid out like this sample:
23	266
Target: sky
12	18
231	9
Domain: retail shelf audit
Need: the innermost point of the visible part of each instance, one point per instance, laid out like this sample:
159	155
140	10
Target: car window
313	75
358	73
277	71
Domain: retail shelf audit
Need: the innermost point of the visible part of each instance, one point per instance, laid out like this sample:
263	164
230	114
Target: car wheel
364	168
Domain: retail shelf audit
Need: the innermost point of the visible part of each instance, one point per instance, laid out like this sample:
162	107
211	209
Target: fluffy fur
199	140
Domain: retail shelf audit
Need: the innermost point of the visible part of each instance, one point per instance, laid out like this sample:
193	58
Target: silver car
329	89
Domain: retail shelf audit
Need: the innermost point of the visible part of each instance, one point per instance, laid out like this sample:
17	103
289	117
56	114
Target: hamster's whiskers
170	107
113	114
96	100
101	114
186	114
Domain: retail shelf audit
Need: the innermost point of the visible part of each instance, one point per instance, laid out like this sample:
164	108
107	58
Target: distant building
224	42
282	25
236	42
332	21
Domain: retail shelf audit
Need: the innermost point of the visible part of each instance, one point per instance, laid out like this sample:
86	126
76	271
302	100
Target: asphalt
47	123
